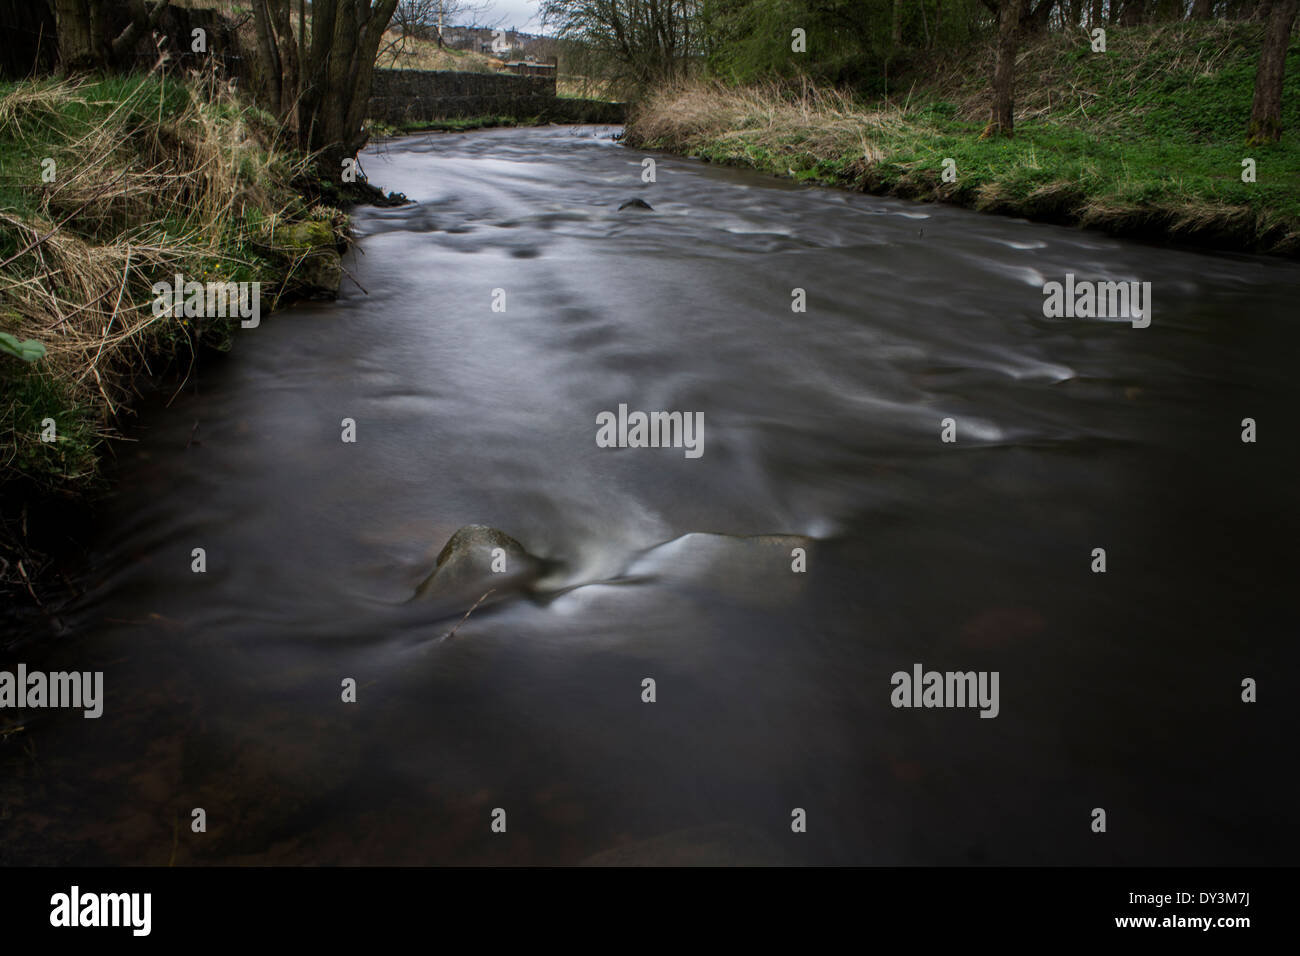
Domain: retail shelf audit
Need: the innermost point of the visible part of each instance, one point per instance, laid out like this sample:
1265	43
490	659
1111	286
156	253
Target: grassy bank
1146	139
105	188
451	125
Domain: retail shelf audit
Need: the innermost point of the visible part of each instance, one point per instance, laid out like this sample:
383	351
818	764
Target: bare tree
426	20
1266	110
328	92
641	42
279	53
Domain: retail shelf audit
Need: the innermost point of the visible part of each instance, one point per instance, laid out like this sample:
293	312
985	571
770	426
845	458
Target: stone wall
411	96
419	96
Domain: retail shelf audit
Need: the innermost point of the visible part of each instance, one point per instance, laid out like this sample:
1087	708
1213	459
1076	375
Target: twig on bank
28	581
354	279
452	632
126	274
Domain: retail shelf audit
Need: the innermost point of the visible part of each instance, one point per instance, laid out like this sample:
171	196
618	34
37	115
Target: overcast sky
520	14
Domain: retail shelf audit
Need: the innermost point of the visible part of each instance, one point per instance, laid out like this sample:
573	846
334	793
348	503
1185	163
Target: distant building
530	67
480	39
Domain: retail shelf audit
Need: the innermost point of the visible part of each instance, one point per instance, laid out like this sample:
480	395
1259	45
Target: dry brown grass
780	120
585	87
74	299
145	188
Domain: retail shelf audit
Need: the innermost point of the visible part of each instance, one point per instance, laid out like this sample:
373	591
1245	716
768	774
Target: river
1119	690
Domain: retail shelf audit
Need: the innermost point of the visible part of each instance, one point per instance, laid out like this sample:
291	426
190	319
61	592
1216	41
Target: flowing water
1118	690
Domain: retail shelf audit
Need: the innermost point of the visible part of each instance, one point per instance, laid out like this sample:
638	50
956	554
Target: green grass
1147	138
29	403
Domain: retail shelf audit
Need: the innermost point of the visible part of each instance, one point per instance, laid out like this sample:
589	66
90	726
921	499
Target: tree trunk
80	46
1002	122
1266	110
283	27
1202	10
1095	20
896	30
337	80
270	56
360	80
329	83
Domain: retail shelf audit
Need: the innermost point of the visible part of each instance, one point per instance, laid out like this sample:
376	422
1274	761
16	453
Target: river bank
1145	140
108	188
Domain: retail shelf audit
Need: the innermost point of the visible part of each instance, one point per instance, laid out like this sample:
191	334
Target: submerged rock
477	559
306	235
763	570
636	204
318	267
767	570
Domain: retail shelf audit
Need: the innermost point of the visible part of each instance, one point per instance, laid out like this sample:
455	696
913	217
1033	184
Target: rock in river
477	559
317	267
